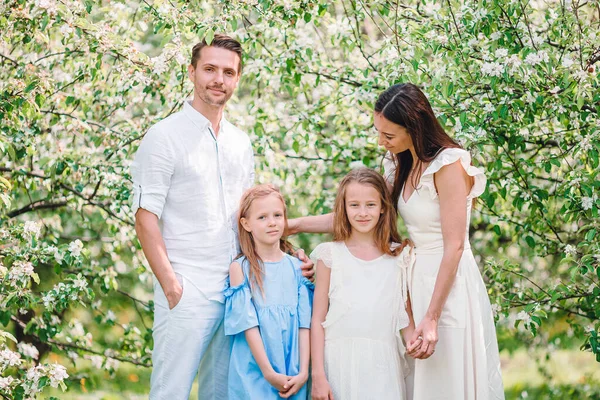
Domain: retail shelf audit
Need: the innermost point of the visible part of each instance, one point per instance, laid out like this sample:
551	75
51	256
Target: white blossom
501	53
496	309
570	250
80	282
57	374
555	90
526	318
75	247
10	358
47	5
111	363
28	350
567	62
110	316
588	202
31	229
6	382
48	299
492	69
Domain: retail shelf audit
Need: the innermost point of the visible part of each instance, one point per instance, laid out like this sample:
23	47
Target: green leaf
209	36
530	241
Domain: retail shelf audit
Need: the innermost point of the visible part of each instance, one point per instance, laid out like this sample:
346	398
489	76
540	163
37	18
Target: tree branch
36	205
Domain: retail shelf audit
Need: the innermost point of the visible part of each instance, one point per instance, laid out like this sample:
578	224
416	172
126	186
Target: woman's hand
294	384
278	381
427	330
321	389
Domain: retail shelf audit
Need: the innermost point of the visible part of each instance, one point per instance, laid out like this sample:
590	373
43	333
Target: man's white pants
188	340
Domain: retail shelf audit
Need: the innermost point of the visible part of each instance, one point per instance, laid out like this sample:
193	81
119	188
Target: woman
433	185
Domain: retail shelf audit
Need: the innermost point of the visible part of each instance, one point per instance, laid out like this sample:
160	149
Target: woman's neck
269	252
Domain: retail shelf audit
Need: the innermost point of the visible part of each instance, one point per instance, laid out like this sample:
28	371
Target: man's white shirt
193	182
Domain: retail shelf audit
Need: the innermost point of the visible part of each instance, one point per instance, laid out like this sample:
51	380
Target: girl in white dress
360	302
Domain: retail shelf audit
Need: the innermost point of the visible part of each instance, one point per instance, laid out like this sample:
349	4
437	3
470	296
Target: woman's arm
313	224
453	185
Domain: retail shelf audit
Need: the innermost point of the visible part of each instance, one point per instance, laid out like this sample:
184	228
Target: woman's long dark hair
406	105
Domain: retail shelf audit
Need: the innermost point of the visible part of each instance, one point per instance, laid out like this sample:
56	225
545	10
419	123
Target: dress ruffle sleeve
305	301
240	313
322	252
450	156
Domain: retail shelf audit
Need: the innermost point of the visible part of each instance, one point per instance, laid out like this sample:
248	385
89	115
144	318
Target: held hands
294	384
278	381
321	389
287	385
424	339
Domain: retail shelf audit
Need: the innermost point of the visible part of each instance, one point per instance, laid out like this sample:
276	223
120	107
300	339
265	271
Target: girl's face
393	137
363	207
265	219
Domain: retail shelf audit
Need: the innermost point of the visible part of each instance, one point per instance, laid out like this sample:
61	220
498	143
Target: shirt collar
197	118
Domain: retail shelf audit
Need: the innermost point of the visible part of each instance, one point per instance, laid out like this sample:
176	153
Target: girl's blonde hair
386	231
247	245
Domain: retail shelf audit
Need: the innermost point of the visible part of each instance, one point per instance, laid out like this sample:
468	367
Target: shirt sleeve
151	172
251	172
240	313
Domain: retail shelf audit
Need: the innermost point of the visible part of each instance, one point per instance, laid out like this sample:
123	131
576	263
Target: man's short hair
221	41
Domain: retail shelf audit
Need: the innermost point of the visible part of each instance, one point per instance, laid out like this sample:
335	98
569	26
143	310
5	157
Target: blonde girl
267	305
361	303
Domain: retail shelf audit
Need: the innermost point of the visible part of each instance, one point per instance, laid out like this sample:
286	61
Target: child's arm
412	344
320	387
296	382
278	381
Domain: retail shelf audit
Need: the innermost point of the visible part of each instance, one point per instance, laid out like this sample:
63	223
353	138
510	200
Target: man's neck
212	113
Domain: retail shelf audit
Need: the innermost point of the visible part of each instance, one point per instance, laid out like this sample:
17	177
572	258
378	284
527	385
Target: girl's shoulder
324	253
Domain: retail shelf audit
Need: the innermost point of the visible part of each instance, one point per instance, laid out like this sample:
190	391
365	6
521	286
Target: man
189	174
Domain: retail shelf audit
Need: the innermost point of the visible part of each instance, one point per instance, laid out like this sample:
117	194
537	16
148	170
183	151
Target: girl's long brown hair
247	245
406	105
386	231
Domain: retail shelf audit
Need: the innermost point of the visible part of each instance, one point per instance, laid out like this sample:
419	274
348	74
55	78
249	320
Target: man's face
215	76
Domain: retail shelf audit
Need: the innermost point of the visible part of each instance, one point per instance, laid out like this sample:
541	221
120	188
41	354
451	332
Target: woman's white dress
363	349
466	363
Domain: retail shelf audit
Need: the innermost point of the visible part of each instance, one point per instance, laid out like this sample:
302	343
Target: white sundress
466	362
363	348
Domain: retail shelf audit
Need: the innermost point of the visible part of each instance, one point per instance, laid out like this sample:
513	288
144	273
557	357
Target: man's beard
208	99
